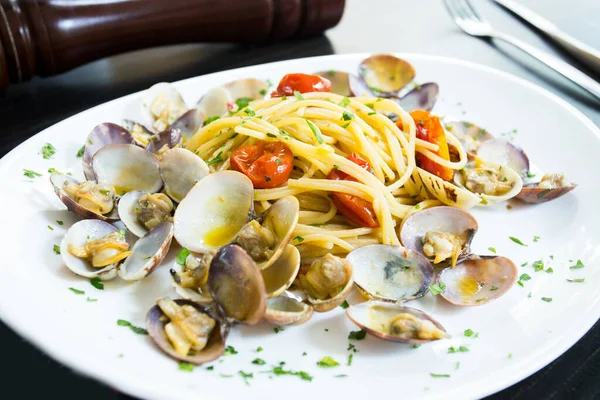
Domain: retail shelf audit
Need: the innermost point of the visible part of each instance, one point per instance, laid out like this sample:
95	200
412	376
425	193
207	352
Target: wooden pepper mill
46	37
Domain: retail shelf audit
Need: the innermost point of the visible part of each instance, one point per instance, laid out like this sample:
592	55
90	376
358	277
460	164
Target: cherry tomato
303	83
356	210
267	164
429	128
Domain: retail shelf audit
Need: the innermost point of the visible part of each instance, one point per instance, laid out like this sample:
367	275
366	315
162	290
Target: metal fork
469	20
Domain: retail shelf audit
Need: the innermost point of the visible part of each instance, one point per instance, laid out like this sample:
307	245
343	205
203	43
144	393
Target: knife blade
582	51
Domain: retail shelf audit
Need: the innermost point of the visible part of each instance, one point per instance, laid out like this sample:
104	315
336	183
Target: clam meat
327	282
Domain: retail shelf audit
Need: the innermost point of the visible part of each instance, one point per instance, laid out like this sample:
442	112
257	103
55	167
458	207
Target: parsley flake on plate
547	299
517	241
258	361
230	350
135	329
76	291
439	375
577	280
56	249
345	304
80	152
48	151
437	288
327	362
577	266
97	283
30	174
185	366
357	335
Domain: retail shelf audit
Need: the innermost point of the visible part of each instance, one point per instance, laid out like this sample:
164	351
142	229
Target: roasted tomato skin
356	210
303	83
429	128
267	164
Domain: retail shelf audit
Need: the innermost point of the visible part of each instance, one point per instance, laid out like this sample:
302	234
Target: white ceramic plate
518	334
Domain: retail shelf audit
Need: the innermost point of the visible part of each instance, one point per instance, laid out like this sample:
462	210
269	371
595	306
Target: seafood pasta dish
280	200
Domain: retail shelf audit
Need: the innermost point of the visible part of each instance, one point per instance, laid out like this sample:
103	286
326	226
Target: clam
396	323
127	167
448	193
280	276
102	135
340	82
386	74
236	285
191	275
390	273
470	135
327	282
266	237
502	152
186	331
180	169
142	211
442	234
161	106
286	309
93	248
551	187
421	97
188	124
165	140
492	183
89	200
218	101
478	280
148	253
214	211
140	134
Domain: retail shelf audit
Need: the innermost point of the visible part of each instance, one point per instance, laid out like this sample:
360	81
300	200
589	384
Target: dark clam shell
170	137
189	123
236	284
155	324
57	181
422	97
533	194
102	135
148	253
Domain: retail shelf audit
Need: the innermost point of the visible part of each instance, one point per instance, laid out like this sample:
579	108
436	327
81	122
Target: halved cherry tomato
356	210
267	164
429	128
303	83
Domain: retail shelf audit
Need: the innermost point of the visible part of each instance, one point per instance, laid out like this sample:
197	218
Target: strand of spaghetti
316	217
208	131
317	239
265	205
341	233
276	193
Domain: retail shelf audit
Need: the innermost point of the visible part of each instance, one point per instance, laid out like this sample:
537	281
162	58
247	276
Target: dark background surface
32	107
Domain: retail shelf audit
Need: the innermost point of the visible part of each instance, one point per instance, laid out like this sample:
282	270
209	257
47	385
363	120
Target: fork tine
471	10
456	13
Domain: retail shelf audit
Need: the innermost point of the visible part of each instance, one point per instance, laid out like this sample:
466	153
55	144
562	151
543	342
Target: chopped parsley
259	349
210	368
216	160
530	174
285	135
76	291
80	151
517	241
229	351
262	92
280	371
250	112
345	305
48	151
461	349
524	264
284	97
59	222
345	125
523	278
278	329
357	335
492	249
421	122
243	102
437	288
549	270
336	167
344	102
97	283
56	249
135	329
54	171
105	192
210	119
439	375
30	174
347	116
577	280
51	228
416	346
234	136
315	130
536	238
493	288
258	361
340	376
547	299
327	362
246	376
304	353
91	300
298	95
577	266
267	178
538	265
469	333
509	355
185	366
350	357
372	113
278	161
457	365
271	135
225	375
299	239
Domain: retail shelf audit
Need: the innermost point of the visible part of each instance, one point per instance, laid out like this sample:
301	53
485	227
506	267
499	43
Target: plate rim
135	388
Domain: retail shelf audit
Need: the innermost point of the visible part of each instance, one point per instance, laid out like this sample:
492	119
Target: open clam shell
281	219
386	74
505	174
58	181
478	280
375	317
327	304
280	276
216	101
390	273
126	209
447	192
286	309
78	235
340	81
502	152
180	169
445	220
531	193
102	135
421	97
200	295
165	140
161	105
214	211
237	286
127	167
148	253
189	123
156	321
470	135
